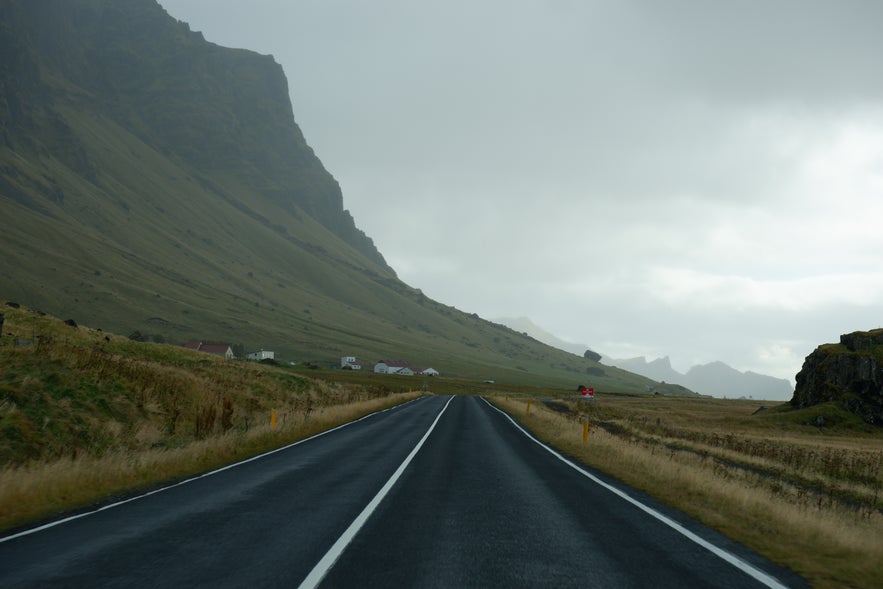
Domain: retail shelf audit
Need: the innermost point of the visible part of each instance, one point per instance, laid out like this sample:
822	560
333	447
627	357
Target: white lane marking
324	565
196	478
729	557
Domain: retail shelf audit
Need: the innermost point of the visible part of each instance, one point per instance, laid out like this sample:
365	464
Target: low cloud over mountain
715	378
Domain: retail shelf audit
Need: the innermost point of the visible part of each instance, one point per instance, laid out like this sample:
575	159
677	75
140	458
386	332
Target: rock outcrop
593	356
849	373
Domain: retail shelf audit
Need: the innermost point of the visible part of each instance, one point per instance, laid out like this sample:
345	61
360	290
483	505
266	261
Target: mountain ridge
154	183
182	87
714	378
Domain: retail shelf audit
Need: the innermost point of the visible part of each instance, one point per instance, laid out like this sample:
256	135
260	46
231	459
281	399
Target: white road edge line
196	478
729	557
321	569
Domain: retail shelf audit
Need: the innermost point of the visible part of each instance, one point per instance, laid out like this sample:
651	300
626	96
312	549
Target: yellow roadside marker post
585	431
273	416
528	406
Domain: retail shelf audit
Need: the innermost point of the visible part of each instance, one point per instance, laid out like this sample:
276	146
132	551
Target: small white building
402	367
262	355
393	367
350	363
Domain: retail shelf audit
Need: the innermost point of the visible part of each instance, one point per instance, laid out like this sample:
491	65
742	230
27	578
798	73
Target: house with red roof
393	367
223	350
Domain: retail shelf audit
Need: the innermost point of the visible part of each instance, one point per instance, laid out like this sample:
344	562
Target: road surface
441	492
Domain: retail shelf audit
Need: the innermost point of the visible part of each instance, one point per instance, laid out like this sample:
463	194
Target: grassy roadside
807	500
86	415
39	490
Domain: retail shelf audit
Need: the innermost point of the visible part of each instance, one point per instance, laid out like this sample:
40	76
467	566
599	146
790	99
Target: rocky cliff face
849	373
223	112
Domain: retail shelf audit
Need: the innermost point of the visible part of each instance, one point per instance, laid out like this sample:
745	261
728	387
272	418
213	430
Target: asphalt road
440	492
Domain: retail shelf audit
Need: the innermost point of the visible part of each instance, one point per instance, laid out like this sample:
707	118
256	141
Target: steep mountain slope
525	325
151	181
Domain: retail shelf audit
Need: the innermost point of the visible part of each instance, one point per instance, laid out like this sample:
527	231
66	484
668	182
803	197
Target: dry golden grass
785	511
41	489
86	415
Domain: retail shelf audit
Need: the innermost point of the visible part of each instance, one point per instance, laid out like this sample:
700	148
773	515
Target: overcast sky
694	179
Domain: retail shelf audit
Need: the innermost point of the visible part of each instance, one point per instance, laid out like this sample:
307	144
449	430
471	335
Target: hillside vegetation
85	414
153	182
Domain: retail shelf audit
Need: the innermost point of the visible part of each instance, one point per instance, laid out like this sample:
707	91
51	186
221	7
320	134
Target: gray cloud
688	178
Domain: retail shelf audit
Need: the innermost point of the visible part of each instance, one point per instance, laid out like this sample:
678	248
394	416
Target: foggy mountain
154	182
525	325
715	378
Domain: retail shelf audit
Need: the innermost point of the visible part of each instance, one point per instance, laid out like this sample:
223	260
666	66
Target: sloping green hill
151	181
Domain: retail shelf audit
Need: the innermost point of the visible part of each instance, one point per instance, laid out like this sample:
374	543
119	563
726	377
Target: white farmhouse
350	363
261	355
402	367
394	367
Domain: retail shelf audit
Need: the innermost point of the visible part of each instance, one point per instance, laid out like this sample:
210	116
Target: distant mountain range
715	378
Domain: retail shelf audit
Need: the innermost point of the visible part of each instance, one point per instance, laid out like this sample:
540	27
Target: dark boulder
849	373
590	355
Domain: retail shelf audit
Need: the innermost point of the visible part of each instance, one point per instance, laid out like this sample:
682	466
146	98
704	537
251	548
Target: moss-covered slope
153	182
